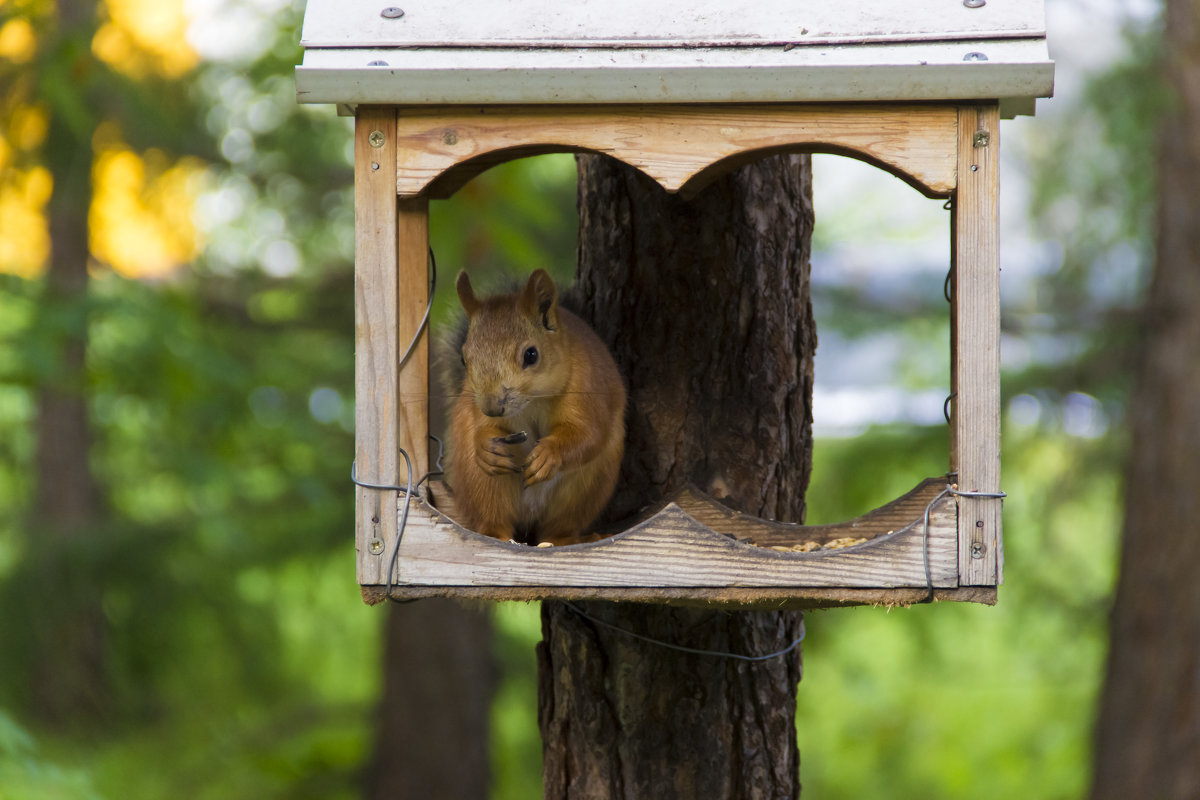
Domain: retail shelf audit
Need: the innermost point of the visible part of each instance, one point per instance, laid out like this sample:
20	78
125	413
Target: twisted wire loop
949	490
407	490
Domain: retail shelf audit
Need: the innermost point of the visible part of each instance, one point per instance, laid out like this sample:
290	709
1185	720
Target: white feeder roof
673	51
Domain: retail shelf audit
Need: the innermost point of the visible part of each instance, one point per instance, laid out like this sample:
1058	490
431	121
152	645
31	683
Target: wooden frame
927	544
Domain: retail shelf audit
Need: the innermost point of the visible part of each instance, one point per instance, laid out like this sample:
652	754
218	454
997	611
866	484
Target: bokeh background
178	610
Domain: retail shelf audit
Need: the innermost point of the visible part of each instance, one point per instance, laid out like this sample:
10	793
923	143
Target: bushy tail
447	357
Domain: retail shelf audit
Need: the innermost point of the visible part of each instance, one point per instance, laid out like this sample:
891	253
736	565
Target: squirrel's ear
466	295
539	301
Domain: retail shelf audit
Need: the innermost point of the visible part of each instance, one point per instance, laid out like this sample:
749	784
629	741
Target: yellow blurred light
112	45
17	41
145	36
141	213
28	127
24	239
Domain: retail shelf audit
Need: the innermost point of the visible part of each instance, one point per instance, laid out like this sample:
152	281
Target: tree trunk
1148	742
705	304
438	686
68	678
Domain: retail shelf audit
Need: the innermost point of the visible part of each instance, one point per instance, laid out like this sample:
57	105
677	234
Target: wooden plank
673	549
664	23
726	599
376	378
681	147
977	346
390	291
1017	71
412	241
887	519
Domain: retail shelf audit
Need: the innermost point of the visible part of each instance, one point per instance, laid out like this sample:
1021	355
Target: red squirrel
537	431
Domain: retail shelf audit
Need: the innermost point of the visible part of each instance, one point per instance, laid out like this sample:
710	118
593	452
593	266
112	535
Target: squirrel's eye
531	356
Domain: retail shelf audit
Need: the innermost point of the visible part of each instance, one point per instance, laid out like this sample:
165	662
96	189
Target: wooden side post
390	293
976	349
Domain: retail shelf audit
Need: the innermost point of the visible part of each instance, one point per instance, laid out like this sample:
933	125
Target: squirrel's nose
494	405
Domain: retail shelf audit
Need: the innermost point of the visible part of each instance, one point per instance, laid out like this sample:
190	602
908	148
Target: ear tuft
466	295
539	301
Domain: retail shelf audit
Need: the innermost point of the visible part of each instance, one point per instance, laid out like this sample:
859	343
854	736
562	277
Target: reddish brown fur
570	403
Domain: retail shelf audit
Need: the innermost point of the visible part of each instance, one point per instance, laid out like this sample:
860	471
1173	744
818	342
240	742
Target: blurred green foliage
26	774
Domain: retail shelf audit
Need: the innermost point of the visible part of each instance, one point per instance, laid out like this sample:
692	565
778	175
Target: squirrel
537	432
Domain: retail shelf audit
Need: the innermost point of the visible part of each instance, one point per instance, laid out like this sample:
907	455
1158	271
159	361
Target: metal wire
681	648
925	531
437	464
432	266
407	489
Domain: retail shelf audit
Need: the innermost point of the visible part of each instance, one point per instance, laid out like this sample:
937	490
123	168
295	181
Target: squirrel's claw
498	459
543	464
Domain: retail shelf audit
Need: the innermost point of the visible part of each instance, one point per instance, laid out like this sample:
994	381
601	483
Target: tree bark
69	680
1148	737
433	717
705	305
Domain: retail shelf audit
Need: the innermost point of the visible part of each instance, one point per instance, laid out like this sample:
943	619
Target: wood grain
976	349
412	246
682	147
884	520
722	598
390	292
375	326
672	549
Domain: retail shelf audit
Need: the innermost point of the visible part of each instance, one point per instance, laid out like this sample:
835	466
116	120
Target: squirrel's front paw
545	460
498	458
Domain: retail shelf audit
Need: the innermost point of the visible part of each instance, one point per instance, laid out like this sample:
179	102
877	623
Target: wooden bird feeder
683	91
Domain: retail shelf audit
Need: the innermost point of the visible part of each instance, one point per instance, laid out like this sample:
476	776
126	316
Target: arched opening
868	262
881	260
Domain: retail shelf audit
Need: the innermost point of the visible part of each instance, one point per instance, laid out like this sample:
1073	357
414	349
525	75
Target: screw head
976	550
377	63
376	138
974	3
975	55
392	12
375	546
